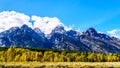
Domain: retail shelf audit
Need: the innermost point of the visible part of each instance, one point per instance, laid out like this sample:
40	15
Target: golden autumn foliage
23	54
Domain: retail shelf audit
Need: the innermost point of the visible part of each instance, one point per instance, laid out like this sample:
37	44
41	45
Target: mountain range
60	39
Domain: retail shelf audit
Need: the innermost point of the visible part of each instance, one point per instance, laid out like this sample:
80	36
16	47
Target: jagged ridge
60	39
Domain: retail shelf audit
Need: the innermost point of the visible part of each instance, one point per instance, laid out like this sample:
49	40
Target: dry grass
59	64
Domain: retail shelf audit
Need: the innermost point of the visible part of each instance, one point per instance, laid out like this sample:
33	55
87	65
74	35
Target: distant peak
91	32
91	29
37	30
24	26
14	28
59	29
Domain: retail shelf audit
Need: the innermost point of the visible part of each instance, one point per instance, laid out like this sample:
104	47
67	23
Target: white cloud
114	32
10	19
46	24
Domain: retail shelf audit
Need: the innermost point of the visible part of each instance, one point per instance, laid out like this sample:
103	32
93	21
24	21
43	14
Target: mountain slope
100	42
22	37
60	39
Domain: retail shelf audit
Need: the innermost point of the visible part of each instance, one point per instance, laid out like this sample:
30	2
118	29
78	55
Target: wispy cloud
10	19
114	32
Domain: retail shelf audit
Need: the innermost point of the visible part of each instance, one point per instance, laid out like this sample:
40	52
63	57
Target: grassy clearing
59	64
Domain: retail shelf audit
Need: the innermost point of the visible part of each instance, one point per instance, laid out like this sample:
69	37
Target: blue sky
103	15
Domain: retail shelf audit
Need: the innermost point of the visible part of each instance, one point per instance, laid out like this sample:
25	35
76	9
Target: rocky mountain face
60	39
100	42
65	40
23	37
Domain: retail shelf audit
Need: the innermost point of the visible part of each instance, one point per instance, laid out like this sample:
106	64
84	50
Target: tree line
23	54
